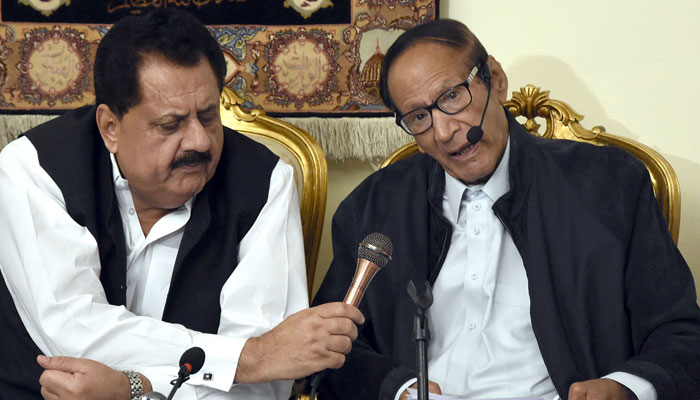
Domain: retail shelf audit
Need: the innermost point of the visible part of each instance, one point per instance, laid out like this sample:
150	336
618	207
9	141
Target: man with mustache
553	272
139	227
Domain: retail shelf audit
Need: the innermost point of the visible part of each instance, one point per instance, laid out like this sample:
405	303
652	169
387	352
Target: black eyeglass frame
477	70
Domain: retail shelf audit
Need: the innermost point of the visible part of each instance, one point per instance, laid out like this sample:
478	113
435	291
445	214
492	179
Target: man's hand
599	389
83	379
432	388
306	342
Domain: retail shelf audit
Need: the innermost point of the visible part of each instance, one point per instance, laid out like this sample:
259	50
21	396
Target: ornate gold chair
562	122
301	151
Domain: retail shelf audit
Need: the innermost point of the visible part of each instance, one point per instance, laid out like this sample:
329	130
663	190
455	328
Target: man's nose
196	136
445	126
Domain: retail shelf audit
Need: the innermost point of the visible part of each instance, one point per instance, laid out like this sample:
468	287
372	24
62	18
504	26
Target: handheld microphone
191	362
475	133
373	253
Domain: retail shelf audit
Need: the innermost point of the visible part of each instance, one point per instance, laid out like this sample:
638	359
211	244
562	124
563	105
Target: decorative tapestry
289	57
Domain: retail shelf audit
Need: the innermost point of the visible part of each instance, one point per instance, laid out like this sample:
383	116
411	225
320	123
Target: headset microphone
475	133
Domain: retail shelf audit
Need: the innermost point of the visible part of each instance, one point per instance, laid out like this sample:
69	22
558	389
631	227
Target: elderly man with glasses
552	270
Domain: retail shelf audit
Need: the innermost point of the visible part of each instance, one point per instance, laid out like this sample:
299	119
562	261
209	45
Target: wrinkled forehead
166	88
176	77
166	69
424	57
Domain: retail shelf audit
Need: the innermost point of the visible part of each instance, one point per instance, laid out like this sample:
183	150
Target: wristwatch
135	383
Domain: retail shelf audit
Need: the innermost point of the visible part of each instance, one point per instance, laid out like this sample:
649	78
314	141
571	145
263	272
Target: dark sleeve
368	373
660	296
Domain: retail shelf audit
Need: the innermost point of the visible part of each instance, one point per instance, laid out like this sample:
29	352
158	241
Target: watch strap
135	384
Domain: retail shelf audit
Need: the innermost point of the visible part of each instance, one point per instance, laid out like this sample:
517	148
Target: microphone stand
182	376
421	334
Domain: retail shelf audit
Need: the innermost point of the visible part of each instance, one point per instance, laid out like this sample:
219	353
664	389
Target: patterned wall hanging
290	57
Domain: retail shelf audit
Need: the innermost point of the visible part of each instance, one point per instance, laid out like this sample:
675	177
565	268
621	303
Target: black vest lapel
222	214
110	244
199	222
71	151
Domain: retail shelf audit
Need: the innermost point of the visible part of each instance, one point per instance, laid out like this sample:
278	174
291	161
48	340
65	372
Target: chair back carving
296	147
562	122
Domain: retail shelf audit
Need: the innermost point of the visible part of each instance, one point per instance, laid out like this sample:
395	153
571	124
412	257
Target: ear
499	80
108	124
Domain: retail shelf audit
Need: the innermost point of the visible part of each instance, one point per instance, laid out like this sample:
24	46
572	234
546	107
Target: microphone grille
376	248
195	357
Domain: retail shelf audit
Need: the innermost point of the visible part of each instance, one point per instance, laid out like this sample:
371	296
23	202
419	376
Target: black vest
71	151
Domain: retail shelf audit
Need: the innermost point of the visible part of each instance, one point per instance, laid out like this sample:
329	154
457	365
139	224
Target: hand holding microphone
373	253
317	338
310	340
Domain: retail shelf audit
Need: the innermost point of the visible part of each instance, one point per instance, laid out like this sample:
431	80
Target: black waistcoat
71	151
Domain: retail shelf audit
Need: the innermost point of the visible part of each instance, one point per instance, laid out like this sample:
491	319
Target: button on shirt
149	259
482	343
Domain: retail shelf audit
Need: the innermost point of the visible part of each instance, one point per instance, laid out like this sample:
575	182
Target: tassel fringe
366	139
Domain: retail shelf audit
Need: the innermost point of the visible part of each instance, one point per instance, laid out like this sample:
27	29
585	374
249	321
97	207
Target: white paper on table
413	395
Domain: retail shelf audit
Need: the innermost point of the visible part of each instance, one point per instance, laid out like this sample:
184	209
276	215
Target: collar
518	167
497	185
117	177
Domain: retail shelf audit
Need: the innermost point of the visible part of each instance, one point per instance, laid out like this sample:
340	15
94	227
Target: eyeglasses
452	101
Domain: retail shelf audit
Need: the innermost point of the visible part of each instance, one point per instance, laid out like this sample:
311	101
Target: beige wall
632	66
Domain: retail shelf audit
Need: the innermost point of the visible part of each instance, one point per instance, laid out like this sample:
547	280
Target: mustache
191	157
